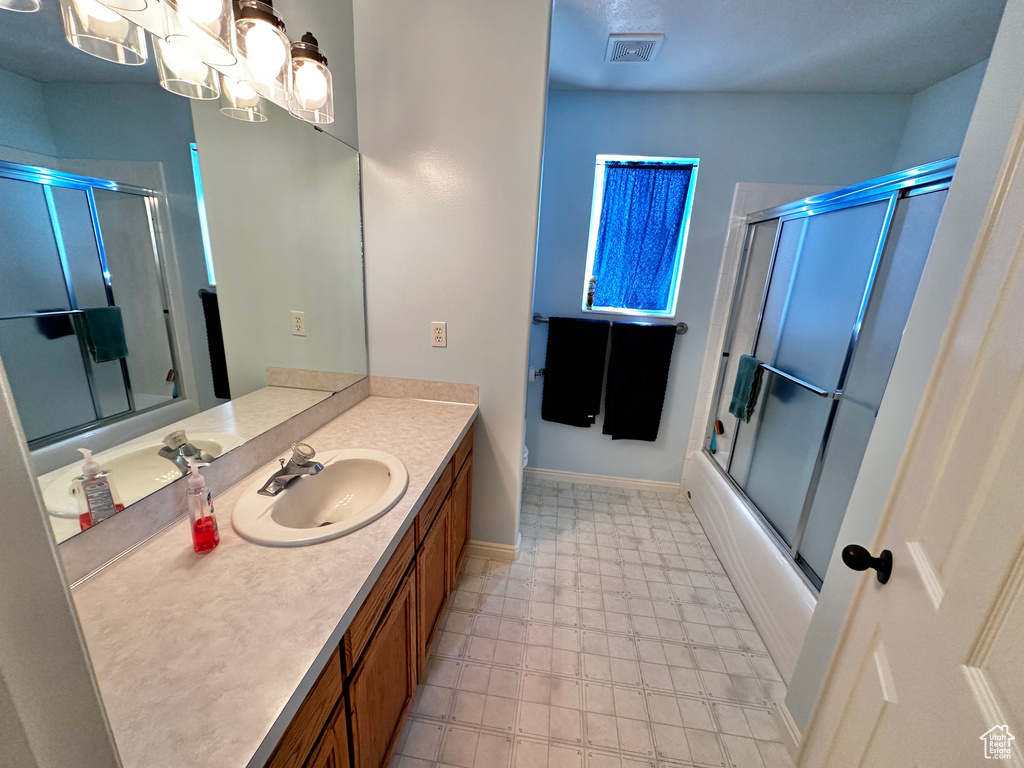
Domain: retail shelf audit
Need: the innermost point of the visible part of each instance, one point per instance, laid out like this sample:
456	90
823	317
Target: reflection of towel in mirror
55	326
104	330
747	388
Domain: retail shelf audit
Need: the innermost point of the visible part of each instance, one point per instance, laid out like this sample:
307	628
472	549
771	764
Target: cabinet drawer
464	449
376	603
433	503
304	730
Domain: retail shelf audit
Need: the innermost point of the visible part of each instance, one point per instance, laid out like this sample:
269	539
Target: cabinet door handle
859	559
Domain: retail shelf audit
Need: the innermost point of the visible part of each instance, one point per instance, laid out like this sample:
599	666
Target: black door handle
859	559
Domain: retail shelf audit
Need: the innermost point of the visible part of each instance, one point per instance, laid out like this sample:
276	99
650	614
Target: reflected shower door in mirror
84	331
132	308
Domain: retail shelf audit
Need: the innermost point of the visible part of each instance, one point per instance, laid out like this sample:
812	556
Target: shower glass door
841	267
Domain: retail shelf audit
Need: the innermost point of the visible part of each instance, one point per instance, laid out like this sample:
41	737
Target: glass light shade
183	73
205	27
240	101
133	6
312	85
97	30
21	6
267	51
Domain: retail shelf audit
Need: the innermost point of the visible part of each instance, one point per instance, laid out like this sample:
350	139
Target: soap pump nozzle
89	466
195	479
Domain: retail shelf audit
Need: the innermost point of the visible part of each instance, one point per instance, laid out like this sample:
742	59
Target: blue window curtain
641	218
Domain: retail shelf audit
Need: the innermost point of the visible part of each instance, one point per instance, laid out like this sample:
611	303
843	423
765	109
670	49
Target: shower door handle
859	559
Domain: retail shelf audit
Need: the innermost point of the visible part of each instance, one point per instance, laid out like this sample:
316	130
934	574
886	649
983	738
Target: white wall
24	123
283	206
977	179
46	682
938	119
451	114
779	138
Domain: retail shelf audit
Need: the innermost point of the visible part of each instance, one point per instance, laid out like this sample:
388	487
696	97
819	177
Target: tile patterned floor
615	641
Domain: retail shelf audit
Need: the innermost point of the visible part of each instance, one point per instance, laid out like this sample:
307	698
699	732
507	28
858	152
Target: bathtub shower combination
822	296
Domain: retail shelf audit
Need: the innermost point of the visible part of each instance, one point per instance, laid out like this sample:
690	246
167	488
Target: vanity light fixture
205	27
312	85
240	101
183	73
265	46
99	31
20	6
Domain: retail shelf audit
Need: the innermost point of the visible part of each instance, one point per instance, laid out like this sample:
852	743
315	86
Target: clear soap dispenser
200	510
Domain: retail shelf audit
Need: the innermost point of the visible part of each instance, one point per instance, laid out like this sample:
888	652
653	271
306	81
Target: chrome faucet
301	463
179	451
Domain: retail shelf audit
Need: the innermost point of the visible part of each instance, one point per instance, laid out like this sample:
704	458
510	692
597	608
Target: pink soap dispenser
200	510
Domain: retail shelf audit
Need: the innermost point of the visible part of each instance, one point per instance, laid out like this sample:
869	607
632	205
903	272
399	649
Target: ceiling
32	45
813	46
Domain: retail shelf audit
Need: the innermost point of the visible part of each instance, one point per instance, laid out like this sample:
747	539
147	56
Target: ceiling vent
633	49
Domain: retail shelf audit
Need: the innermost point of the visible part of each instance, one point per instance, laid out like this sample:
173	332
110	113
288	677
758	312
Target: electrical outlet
298	323
439	334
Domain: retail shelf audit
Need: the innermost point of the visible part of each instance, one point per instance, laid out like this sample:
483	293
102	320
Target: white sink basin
355	487
137	471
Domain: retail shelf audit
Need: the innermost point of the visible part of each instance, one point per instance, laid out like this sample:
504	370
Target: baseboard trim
788	730
507	553
657	486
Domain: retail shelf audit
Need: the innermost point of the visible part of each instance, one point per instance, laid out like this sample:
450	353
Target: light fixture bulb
240	91
201	11
184	63
265	52
98	12
310	85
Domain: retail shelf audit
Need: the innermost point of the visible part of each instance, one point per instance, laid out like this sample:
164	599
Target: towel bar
801	383
539	319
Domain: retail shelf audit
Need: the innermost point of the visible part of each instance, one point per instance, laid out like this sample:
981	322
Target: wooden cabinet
332	750
462	500
432	580
382	686
384	652
293	749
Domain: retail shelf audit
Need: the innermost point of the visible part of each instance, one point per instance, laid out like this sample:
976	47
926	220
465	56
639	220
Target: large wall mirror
154	251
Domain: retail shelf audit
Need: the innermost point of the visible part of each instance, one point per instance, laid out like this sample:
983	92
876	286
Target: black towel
574	370
637	379
215	343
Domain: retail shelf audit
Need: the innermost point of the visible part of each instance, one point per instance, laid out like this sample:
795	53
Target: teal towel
104	331
747	388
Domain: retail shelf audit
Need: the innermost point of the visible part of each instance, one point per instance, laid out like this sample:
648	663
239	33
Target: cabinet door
332	751
383	684
462	499
432	580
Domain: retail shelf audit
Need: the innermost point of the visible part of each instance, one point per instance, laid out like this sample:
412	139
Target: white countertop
203	659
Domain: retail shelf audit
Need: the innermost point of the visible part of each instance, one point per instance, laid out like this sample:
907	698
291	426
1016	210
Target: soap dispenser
95	493
200	510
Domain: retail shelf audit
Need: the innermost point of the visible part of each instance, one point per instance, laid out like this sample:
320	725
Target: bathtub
780	602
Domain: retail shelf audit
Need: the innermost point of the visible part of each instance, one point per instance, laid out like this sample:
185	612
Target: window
637	234
204	226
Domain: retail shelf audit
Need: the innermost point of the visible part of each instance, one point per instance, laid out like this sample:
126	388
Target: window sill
628	312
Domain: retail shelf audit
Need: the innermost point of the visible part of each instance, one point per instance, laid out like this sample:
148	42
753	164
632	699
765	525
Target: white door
929	663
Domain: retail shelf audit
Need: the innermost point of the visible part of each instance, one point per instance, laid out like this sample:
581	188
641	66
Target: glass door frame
47	177
913	181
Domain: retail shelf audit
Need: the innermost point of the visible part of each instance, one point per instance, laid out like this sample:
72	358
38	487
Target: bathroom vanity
288	656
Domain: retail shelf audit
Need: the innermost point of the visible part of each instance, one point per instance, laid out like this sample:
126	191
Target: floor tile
614	641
